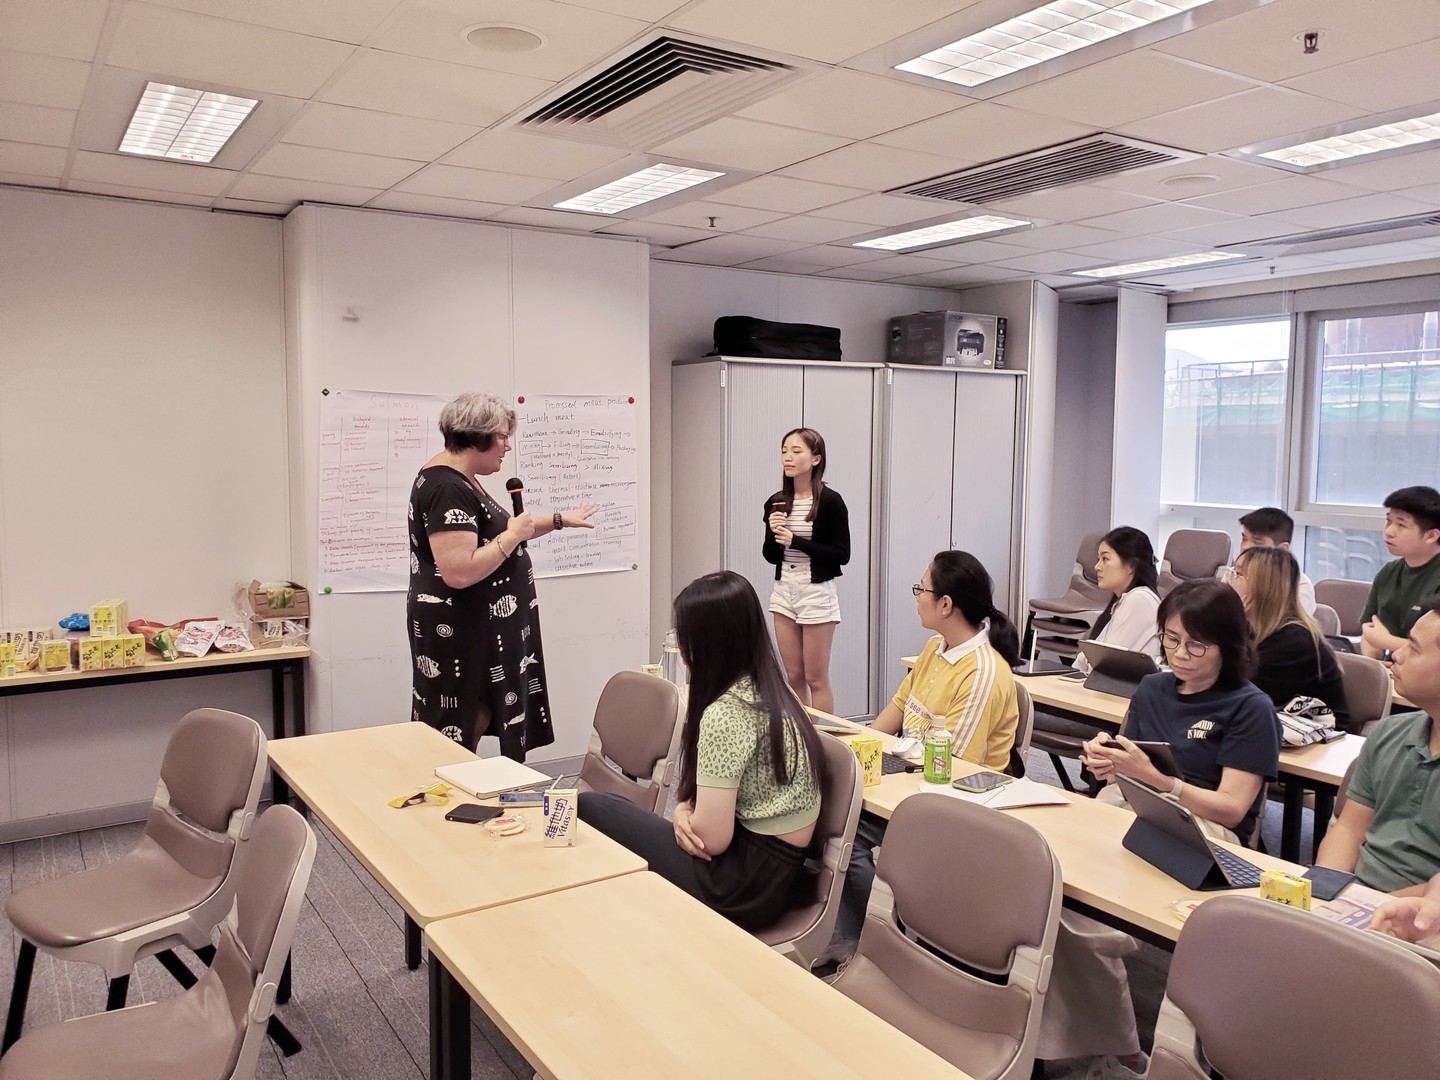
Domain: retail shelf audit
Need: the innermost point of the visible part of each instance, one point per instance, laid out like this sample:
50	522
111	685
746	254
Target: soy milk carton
561	822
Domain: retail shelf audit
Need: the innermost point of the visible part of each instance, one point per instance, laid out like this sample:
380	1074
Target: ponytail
961	577
1004	638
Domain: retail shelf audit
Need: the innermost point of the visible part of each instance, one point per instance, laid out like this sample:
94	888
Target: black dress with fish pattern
476	651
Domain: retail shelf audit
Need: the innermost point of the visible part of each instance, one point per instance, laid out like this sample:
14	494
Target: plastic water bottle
672	665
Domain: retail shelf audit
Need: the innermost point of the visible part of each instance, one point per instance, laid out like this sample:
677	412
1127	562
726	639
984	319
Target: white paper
572	450
371	447
1014	794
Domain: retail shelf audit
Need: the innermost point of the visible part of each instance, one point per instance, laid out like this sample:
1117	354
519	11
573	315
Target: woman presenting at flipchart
807	537
474	619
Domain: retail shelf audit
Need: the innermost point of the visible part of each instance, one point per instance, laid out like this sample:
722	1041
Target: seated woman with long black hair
751	769
1126	567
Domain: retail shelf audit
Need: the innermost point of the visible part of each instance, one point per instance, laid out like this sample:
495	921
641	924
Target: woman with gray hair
474	617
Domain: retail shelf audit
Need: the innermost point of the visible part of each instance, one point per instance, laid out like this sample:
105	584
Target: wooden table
279	661
1314	768
633	978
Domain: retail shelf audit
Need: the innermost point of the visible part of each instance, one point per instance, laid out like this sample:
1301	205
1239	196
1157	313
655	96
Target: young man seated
1388	834
1270	526
1412	532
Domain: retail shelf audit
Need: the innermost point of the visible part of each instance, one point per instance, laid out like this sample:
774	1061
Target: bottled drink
672	665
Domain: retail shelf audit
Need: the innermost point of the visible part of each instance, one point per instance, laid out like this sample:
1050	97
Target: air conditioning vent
1068	163
660	90
1368	234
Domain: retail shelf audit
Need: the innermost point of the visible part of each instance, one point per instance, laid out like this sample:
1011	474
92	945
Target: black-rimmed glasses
916	590
1193	649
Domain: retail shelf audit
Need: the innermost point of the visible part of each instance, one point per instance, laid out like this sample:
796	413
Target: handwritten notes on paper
574	450
371	447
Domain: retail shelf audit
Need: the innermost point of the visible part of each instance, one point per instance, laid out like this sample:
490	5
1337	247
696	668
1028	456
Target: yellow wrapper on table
132	649
112	652
1285	888
55	655
869	751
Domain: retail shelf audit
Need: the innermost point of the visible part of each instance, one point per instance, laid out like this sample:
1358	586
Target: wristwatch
1175	788
559	521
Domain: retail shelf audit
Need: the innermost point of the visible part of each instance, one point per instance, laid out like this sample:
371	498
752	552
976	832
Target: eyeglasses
1193	649
916	590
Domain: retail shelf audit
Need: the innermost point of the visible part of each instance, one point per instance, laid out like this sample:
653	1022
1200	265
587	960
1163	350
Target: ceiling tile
31	79
123	191
899	265
966	275
533	155
146	173
1277	195
836	255
748	144
985	132
839	29
656	232
812	230
860	272
350	21
983	251
871	165
872	105
332	166
1050	262
411	86
1059	237
1234	231
68	28
1104	94
450	182
219	52
18	157
1174	181
783	264
784	193
879	210
1135	248
649	10
363	131
410	203
1393	80
1070	203
696	215
1158	218
1239	120
1426	193
36	124
28	180
727	250
574	38
564	220
1391	174
279	189
1367	208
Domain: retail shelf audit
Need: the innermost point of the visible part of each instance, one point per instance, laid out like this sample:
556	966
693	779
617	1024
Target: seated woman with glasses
1126	567
1291	657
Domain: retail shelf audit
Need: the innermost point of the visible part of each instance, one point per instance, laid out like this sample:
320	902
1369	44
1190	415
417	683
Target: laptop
1115	671
1168	837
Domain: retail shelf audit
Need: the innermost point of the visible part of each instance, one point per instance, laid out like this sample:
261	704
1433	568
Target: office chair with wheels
635	739
214	1030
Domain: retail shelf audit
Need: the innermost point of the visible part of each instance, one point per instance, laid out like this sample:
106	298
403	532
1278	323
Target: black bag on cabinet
742	335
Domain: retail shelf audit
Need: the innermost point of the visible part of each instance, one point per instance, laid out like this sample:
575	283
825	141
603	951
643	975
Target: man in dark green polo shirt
1412	532
1388	834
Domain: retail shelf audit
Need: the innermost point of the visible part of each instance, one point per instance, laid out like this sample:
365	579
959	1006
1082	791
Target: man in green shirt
1412	532
1388	833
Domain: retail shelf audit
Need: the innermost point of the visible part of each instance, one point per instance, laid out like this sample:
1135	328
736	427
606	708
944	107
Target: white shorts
803	601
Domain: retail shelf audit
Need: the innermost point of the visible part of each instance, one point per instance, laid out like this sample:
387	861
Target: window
1330	552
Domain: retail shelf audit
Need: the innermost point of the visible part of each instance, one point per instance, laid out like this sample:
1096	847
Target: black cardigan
1288	663
828	548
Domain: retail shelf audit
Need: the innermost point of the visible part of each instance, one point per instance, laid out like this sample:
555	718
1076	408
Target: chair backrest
1329	620
1258	990
1087	555
1343	791
633	745
1368	690
804	933
1347	598
1192	555
980	888
1023	730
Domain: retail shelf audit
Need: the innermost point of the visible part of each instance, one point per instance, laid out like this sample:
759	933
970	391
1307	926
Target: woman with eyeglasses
1291	657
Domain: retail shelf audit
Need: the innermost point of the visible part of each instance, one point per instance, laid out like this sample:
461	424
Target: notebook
484	777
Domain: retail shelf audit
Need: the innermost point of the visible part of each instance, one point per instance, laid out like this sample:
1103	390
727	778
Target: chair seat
190	1037
141	887
791	925
1056	735
1072	603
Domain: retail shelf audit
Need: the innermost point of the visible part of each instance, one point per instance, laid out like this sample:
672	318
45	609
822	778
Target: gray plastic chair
1368	690
1347	598
1258	990
1329	620
1024	730
215	1029
1192	555
983	889
1058	623
635	740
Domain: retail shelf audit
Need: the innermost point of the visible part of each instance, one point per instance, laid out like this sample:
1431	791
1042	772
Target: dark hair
458	441
1137	553
1211	612
1269	521
959	575
1420	502
721	632
816	444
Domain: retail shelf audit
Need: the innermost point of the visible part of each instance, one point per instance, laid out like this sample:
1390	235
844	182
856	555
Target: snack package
91	657
232	638
197	637
55	655
1284	888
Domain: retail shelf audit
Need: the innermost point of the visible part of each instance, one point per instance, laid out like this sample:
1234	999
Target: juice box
869	751
8	667
112	655
109	617
1285	888
55	655
132	650
91	657
560	808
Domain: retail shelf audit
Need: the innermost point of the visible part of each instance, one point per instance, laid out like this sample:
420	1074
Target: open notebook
484	777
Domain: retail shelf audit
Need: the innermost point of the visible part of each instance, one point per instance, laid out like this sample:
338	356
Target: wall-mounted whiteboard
371	447
572	450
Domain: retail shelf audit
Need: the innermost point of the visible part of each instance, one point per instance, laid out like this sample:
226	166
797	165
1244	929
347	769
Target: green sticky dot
326	590
634	566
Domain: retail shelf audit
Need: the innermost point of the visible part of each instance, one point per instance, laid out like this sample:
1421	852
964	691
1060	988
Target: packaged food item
8	667
91	656
1285	888
109	617
869	751
937	756
561	824
509	825
132	648
197	637
232	638
55	655
112	652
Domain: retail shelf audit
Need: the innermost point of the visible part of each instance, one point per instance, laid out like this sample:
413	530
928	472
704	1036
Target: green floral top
733	751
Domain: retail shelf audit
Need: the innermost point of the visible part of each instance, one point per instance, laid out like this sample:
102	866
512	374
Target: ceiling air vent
1068	163
661	90
1393	231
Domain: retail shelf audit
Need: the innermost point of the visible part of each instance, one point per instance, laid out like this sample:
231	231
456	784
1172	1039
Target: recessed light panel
1175	262
182	124
639	187
1053	30
1354	144
946	232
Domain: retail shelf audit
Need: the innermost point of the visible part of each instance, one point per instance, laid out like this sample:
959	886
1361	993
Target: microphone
517	499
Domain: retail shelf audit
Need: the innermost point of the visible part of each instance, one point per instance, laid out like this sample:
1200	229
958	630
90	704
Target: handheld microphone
517	498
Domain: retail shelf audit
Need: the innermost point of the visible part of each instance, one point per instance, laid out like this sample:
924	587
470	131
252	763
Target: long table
633	978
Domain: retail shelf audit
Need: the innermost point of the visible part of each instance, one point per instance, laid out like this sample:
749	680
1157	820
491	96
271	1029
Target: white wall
441	307
142	455
1139	413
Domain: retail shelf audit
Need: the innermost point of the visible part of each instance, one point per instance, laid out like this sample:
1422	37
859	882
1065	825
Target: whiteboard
572	450
371	447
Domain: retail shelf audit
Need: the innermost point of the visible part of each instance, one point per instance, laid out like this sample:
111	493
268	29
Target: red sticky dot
520	400
632	401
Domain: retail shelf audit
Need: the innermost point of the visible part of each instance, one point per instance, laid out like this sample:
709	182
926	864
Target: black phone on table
472	814
1325	884
976	783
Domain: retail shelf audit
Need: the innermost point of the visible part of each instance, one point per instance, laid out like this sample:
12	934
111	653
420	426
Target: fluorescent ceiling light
1371	140
640	187
182	124
1056	29
939	234
1175	262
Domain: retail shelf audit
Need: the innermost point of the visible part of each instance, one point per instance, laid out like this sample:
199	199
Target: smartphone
1161	755
980	782
1325	884
474	815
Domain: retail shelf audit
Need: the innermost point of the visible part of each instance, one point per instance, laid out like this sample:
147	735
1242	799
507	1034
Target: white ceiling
384	103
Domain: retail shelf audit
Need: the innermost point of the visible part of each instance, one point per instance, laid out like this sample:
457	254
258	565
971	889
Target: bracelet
1175	788
503	553
559	521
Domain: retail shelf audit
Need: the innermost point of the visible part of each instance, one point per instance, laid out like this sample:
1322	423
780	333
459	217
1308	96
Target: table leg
297	698
449	1025
1324	809
1290	825
412	943
279	790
